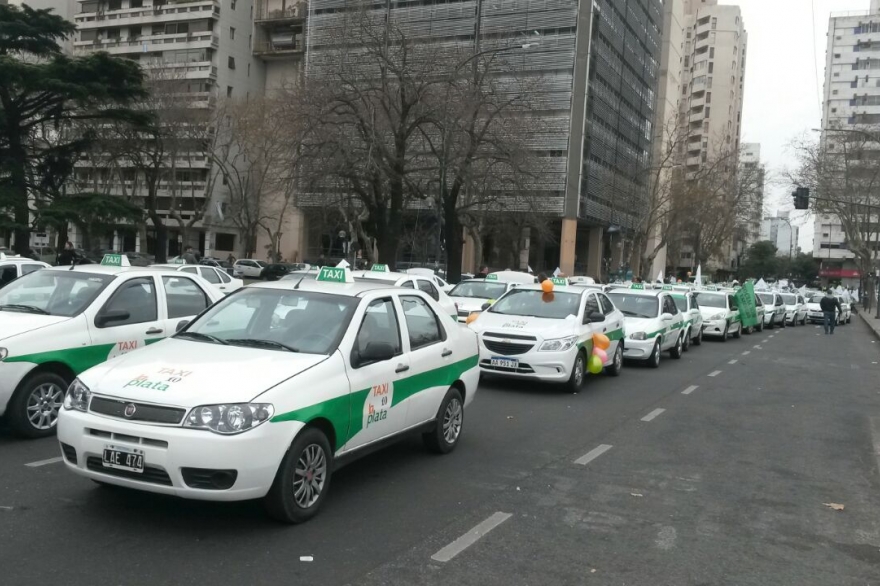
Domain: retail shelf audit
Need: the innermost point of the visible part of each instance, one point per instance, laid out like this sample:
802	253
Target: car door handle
154	331
446	352
401	368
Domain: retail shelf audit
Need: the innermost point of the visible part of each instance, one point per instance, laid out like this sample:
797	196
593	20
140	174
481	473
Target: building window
249	69
709	83
837	55
232	5
232	33
834	92
224	241
231	62
711	52
714	23
711	66
708	97
708	109
229	90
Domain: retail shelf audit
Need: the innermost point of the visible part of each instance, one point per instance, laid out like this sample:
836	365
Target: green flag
745	301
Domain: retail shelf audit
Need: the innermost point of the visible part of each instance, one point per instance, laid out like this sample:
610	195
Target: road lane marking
757	346
734	361
470	538
689	390
44	462
592	454
653	414
764	341
747	352
715	373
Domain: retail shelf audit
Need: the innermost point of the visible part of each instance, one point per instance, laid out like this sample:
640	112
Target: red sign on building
837	273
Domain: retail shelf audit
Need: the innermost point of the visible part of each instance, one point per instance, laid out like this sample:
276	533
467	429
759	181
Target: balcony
269	49
280	11
692	161
696	116
147	43
698	101
181	11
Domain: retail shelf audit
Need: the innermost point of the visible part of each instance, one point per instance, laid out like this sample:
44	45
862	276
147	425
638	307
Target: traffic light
801	198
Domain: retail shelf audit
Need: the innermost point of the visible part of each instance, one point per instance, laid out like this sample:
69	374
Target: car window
680	302
429	288
379	325
25	269
137	297
224	276
190	270
607	306
731	300
407	284
669	305
479	289
183	297
210	275
694	303
7	274
592	305
421	322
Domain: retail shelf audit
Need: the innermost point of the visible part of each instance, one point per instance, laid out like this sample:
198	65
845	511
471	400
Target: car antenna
295	287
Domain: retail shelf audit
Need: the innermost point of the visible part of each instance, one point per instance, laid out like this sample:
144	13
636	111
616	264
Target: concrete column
594	253
616	252
137	242
525	246
567	243
116	245
209	243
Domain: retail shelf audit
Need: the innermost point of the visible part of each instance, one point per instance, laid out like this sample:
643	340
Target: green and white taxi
12	267
57	322
652	321
531	334
686	301
382	274
270	390
720	313
774	308
218	277
470	296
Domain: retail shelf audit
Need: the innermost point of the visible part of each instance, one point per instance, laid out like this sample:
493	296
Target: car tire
449	424
761	324
578	373
678	350
42	394
699	339
309	451
739	332
726	333
616	362
654	359
686	341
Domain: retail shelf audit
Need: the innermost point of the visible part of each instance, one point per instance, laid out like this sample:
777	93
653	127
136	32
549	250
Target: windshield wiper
198	336
261	344
28	308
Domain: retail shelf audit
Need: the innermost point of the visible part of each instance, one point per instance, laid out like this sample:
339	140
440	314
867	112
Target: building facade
781	232
749	223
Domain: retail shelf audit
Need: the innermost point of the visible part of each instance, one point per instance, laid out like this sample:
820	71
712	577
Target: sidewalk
872	322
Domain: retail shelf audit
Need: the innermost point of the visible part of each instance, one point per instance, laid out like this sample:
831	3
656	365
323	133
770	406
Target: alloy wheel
310	476
452	420
43	405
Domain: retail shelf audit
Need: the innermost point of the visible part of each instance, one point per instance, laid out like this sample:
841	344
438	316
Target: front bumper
254	455
791	316
533	365
715	327
639	349
11	374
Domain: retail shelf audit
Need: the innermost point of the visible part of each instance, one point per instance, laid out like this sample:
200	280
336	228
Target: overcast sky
781	99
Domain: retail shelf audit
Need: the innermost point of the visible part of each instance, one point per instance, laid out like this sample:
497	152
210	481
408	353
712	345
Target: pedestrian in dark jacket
67	256
189	257
830	306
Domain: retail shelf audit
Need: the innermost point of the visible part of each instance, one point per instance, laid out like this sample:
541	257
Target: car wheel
686	341
577	373
739	331
761	325
726	333
699	339
34	407
449	422
616	362
302	480
654	360
677	350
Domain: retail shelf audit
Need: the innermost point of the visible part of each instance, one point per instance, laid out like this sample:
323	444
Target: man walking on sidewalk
830	308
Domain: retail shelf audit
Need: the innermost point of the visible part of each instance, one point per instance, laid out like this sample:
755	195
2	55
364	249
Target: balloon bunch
597	360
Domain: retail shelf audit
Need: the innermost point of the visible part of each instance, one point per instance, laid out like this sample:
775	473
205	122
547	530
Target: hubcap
657	354
452	419
618	357
578	371
43	405
310	476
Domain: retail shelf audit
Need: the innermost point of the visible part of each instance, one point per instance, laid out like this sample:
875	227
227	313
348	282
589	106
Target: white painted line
734	361
470	538
689	390
592	454
653	414
44	462
764	341
757	346
747	352
715	373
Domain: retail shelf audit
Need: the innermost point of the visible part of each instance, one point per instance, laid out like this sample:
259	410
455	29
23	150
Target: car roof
383	276
110	270
639	292
15	259
346	289
513	277
560	288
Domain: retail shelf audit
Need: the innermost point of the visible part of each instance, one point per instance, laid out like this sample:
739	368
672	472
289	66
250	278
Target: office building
749	221
781	232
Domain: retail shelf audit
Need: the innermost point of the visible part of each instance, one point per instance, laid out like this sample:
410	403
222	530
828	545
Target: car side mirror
666	317
376	352
485	306
181	324
597	317
105	318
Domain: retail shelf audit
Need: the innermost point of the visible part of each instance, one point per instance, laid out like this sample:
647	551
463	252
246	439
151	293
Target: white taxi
720	314
214	275
57	322
774	308
434	277
686	301
382	274
530	334
471	296
652	322
795	309
12	267
243	405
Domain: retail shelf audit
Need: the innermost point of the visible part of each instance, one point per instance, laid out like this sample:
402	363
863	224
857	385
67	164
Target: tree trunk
18	189
453	234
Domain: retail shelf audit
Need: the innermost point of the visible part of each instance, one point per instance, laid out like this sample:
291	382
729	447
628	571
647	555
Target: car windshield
816	298
532	303
680	302
54	292
789	299
712	300
767	298
479	289
276	319
635	305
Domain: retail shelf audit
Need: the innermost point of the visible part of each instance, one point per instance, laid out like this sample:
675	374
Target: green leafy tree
761	261
46	99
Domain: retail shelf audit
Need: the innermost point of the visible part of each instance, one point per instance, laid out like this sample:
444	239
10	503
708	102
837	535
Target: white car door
182	298
672	326
376	408
210	274
613	325
130	318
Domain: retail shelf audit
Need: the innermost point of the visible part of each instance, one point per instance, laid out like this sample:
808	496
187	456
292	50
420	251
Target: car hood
469	303
525	325
642	324
14	323
708	312
187	373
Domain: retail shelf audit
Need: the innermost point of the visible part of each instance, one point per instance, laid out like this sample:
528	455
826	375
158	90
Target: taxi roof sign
377	268
115	260
179	261
667	287
335	275
637	286
491	277
561	281
710	288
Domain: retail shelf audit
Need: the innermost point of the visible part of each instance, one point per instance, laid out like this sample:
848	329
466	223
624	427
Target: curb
873	324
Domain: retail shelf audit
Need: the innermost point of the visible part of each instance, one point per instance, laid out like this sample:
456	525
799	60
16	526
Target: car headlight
716	316
229	418
637	336
3	354
558	344
77	396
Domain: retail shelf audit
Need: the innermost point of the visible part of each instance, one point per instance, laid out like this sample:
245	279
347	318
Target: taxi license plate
505	362
123	458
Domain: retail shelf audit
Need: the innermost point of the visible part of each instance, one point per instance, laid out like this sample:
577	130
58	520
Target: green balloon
594	365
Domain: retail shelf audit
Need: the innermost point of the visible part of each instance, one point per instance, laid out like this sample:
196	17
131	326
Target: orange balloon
601	341
547	286
472	317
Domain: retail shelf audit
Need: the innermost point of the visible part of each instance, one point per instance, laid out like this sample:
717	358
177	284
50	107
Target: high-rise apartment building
748	228
203	47
781	232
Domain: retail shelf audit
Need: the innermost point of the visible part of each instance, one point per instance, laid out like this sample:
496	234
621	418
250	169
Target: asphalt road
723	483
